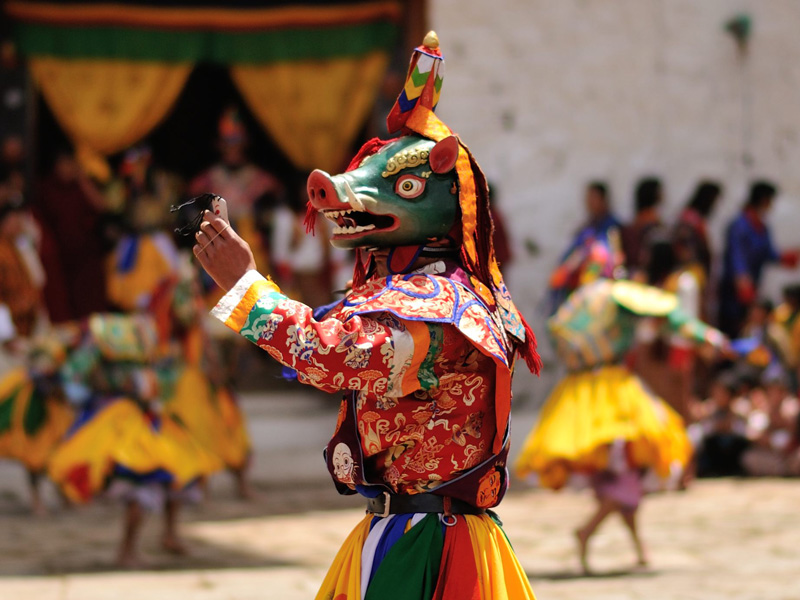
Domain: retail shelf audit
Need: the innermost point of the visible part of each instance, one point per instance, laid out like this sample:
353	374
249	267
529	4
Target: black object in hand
190	213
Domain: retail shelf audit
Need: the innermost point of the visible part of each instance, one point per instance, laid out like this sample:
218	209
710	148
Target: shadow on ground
84	539
634	573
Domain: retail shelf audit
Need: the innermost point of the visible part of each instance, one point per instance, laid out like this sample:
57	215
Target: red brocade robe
426	369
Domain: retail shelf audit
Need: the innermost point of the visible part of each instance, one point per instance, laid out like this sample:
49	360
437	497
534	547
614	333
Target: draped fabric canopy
313	112
105	106
309	71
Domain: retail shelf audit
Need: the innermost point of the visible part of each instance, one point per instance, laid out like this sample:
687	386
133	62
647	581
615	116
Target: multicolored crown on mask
423	83
414	113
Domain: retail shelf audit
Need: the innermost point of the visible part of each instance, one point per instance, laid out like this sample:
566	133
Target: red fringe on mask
310	220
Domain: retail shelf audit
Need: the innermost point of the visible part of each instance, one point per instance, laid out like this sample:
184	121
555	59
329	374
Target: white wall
551	93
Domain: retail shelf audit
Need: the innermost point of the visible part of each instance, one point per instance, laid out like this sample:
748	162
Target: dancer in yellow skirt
122	444
600	421
34	415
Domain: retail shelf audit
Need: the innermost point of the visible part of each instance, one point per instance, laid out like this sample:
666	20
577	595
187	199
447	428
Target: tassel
310	220
528	350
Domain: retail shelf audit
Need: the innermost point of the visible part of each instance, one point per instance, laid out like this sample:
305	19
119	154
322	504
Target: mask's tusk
355	202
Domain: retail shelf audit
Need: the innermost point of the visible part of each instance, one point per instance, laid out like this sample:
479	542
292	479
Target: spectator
771	428
647	204
748	248
69	209
21	276
690	236
723	431
241	183
595	250
688	281
692	226
665	361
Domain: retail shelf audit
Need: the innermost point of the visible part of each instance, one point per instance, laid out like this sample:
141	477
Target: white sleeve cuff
230	301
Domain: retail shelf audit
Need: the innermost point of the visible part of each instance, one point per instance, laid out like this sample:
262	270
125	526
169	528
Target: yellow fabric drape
105	106
313	109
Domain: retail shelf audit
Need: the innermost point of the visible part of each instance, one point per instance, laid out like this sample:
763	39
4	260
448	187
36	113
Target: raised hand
221	252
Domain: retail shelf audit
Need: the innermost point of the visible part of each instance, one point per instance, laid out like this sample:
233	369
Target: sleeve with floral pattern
378	354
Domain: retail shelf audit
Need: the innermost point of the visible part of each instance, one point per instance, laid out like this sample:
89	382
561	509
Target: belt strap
393	504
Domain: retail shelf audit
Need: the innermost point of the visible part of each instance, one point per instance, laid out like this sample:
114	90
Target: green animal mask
404	194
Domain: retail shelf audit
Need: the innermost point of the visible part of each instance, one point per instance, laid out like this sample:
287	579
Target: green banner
282	45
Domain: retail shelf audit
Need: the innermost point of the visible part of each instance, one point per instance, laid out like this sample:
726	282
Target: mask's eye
409	186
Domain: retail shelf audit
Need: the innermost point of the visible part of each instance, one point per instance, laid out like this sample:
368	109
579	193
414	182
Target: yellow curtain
313	109
105	106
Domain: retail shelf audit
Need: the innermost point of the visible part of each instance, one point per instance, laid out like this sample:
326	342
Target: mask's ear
443	155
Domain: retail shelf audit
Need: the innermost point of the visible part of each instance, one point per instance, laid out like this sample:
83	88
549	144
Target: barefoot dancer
423	347
599	421
122	443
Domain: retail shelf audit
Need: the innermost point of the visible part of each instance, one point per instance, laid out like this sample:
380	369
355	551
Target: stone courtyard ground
722	539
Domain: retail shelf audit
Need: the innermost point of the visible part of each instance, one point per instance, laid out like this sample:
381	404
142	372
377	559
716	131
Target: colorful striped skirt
420	557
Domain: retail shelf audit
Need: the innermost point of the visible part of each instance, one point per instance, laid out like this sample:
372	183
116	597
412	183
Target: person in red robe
69	209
